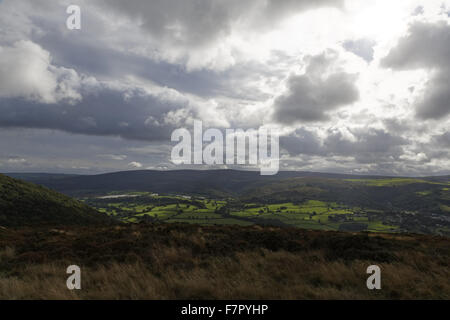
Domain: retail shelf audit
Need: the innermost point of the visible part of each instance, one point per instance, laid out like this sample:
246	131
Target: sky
351	86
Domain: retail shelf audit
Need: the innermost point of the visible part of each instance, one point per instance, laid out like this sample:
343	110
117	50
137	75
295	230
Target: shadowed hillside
202	182
26	204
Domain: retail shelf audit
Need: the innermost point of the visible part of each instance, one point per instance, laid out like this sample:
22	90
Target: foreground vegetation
180	261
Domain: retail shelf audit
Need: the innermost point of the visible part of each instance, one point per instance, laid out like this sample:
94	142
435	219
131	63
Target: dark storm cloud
199	22
309	99
311	96
397	126
92	57
131	115
443	140
366	146
370	145
427	46
302	141
436	101
44	150
90	51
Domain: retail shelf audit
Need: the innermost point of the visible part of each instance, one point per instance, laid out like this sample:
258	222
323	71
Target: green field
310	214
389	182
313	214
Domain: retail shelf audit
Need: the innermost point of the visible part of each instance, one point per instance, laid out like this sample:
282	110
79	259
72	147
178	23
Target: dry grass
7	253
182	263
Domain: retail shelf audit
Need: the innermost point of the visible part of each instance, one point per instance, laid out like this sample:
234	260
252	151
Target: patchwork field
390	182
311	214
300	199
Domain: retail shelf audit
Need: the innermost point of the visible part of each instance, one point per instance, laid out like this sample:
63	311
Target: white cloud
17	160
26	72
135	164
118	157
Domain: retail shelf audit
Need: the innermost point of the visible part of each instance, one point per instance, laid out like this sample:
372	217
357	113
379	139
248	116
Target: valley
393	205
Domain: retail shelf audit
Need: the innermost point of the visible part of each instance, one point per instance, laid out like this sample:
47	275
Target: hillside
26	204
38	177
200	182
382	193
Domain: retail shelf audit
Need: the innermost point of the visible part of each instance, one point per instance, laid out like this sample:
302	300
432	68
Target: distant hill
37	177
26	204
387	194
202	182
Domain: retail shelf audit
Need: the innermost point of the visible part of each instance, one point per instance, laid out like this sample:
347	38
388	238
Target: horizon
212	169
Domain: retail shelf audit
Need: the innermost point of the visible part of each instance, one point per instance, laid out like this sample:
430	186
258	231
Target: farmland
312	214
298	199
